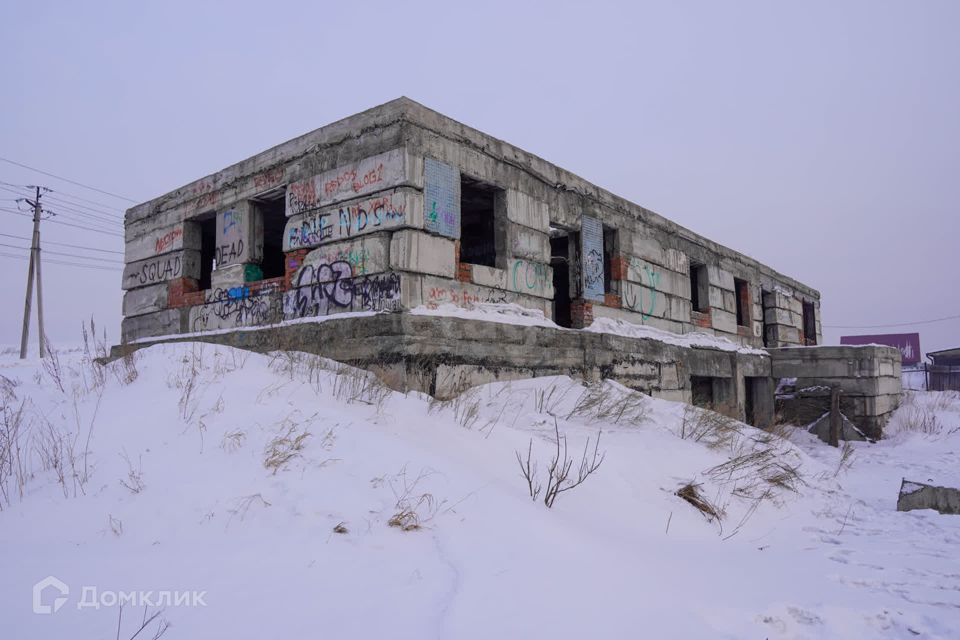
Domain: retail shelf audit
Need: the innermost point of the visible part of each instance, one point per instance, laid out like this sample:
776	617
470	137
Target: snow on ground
228	474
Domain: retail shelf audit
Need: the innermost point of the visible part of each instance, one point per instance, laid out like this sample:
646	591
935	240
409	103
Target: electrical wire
896	324
63	244
79	184
66	224
61	253
63	262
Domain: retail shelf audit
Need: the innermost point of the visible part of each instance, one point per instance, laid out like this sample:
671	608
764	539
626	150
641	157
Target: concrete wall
444	356
868	377
373	222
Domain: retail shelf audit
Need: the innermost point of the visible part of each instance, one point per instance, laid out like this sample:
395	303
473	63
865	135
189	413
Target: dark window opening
273	213
701	388
609	247
749	401
478	218
208	247
560	261
699	295
809	324
742	290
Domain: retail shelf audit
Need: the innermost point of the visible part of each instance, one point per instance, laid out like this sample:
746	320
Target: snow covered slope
266	489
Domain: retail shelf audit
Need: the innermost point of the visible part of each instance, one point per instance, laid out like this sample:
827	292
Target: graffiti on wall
642	297
359	178
466	295
156	270
322	289
169	241
591	250
531	278
230	247
441	198
231	307
339	223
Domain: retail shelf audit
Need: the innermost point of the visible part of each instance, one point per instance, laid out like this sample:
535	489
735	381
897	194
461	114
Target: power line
79	184
102	212
61	253
67	211
64	244
66	224
63	262
896	324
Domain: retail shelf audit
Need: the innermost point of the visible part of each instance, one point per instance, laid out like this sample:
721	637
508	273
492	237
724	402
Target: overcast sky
822	138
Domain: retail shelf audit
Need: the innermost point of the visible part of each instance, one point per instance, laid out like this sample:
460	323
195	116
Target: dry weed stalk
692	494
284	448
413	510
559	468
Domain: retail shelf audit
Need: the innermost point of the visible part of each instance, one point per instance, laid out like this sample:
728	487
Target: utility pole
34	266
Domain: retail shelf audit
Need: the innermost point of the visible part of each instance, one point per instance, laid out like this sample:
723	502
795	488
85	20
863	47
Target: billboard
907	343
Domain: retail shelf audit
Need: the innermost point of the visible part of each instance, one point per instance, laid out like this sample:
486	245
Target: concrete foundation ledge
443	356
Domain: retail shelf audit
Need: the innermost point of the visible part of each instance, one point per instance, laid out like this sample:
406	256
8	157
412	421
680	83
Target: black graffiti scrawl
327	288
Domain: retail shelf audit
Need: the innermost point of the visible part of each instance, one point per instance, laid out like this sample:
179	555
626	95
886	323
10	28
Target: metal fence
929	377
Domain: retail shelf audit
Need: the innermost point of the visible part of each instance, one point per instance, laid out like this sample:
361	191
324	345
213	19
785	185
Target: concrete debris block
917	495
848	430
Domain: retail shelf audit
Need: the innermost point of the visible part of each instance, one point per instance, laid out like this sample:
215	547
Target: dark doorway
809	324
208	247
701	388
272	211
749	401
560	261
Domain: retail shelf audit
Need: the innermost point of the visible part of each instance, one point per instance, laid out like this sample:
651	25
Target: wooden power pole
34	268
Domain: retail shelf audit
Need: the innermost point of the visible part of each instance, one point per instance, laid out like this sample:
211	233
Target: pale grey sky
821	138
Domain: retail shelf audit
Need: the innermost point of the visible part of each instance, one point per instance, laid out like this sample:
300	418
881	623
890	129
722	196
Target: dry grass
284	448
413	509
692	494
604	402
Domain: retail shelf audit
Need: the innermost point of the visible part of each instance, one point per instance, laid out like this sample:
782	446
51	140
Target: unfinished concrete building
399	209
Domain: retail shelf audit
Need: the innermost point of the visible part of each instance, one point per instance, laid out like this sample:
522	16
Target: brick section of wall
611	300
581	314
701	319
180	290
618	267
464	272
293	260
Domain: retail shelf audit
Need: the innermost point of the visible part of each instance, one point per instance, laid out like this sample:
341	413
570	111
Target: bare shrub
187	380
243	506
559	468
13	450
148	619
284	448
134	481
52	366
116	526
